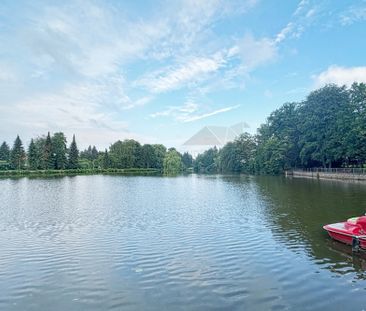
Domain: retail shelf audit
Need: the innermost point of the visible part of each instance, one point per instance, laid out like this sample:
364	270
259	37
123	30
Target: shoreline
76	172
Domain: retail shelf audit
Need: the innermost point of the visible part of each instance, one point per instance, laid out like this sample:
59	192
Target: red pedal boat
352	231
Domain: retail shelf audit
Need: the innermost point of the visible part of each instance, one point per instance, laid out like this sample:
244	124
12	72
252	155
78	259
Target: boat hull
345	232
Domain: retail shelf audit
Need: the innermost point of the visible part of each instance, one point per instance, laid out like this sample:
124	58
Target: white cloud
302	17
256	52
189	112
209	114
284	32
177	111
73	62
188	73
300	7
354	14
138	102
76	109
87	39
189	23
340	75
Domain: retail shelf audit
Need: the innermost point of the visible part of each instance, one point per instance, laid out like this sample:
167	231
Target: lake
183	243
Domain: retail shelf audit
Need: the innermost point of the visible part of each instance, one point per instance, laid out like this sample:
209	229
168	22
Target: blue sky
158	71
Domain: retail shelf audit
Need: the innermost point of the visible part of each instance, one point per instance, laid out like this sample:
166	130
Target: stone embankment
330	174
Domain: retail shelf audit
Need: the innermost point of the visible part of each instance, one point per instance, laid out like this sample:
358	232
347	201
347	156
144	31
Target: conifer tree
59	150
4	152
106	160
47	157
94	153
73	155
32	156
17	155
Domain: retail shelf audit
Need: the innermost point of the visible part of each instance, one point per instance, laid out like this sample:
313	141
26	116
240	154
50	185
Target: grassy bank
81	171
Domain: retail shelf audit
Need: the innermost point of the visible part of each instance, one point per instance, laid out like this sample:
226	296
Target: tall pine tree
32	156
47	156
106	160
59	150
17	155
4	152
73	155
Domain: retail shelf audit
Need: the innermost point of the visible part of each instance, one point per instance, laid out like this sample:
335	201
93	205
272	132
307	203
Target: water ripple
112	243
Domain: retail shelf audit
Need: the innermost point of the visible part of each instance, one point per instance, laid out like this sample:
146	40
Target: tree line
327	129
51	153
43	153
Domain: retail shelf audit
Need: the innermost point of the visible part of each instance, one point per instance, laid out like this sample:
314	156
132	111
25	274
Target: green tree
73	162
94	153
17	155
48	162
271	156
187	160
207	161
59	150
91	153
159	151
148	157
125	154
172	163
321	134
4	152
238	156
246	148
229	159
279	136
355	137
106	160
39	143
33	156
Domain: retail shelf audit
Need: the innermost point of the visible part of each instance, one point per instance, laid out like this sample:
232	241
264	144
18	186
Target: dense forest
51	153
327	129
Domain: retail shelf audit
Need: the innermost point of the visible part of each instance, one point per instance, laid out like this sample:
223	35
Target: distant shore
81	171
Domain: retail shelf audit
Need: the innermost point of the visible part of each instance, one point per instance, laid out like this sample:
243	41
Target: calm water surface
190	243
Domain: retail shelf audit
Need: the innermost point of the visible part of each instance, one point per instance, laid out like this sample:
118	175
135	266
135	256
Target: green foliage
4	165
148	157
125	154
278	141
90	154
356	137
106	160
48	162
160	152
271	156
229	159
32	156
322	127
172	163
79	171
17	155
73	162
4	152
59	151
39	143
327	129
238	156
187	161
206	162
